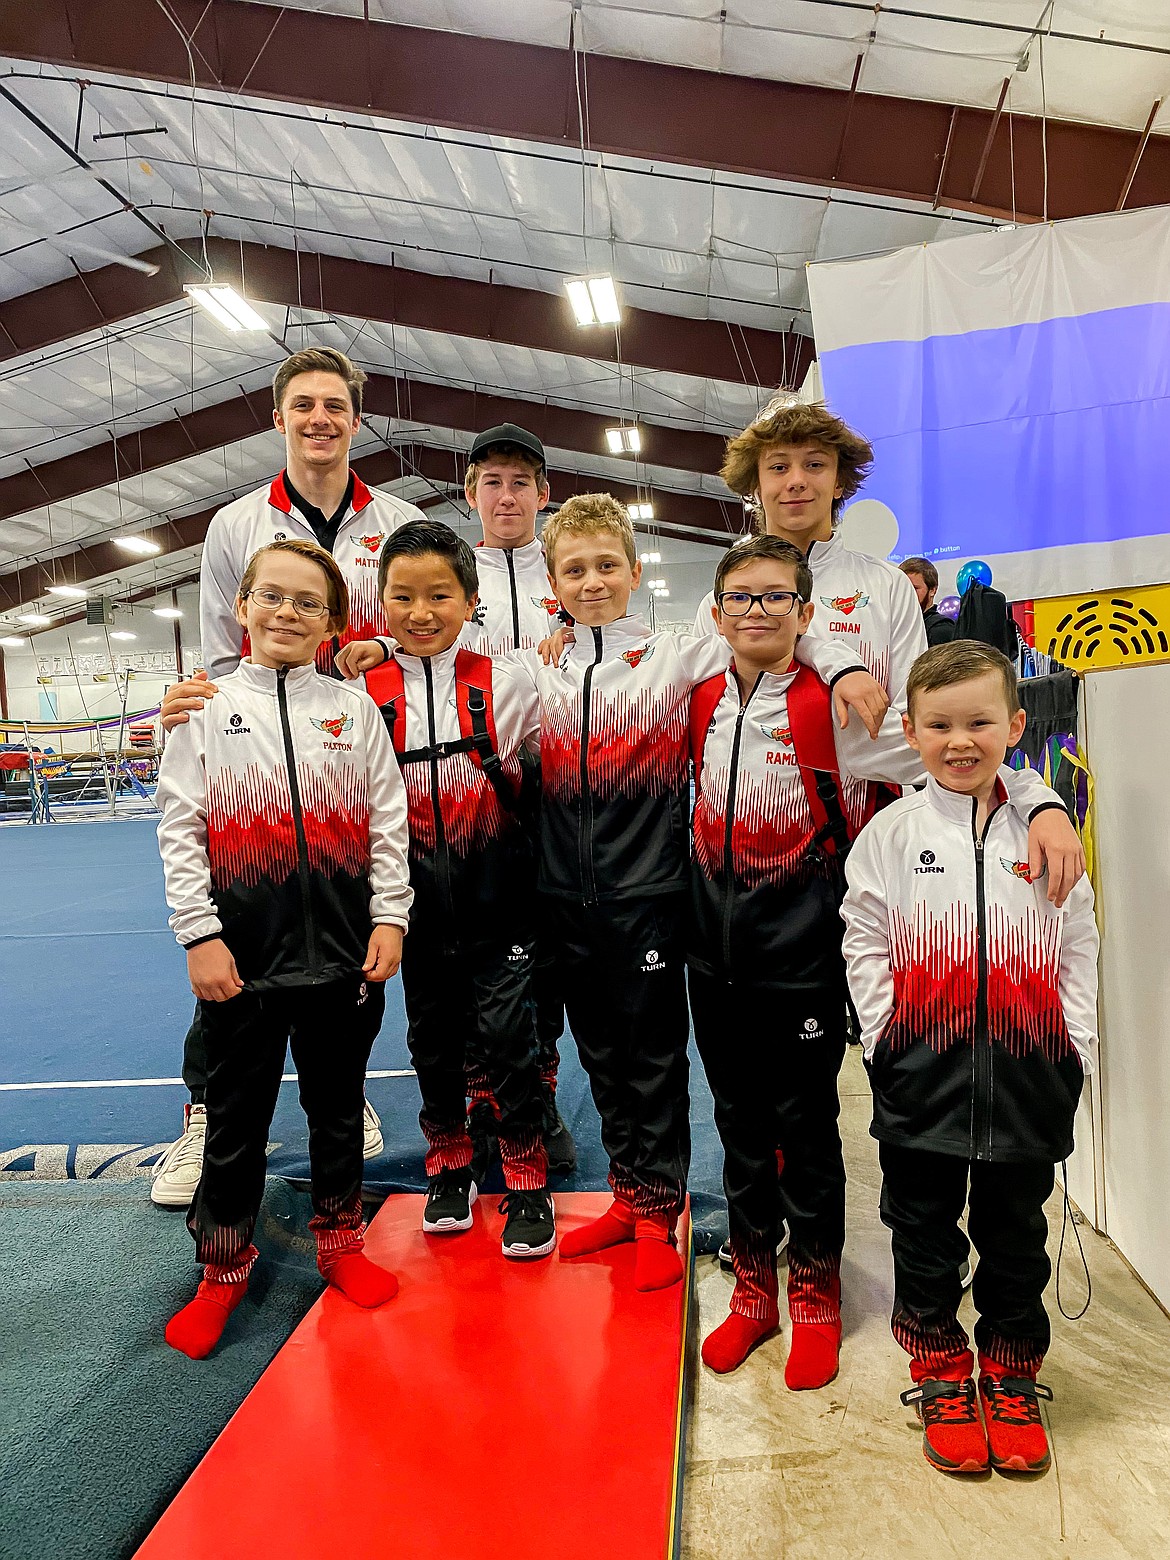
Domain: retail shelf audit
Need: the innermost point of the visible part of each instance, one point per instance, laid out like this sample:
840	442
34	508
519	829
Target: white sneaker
725	1249
177	1173
371	1133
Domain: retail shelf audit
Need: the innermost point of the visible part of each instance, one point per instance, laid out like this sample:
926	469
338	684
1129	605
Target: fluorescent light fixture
641	511
660	592
121	633
37	619
651	557
226	307
74	592
594	300
624	441
14	644
142	545
656	584
167	612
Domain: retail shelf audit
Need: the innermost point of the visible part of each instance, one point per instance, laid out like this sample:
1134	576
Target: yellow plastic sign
1113	628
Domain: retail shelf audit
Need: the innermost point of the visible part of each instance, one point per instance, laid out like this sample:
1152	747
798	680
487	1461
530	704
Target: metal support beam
440	406
397	295
637	108
686	512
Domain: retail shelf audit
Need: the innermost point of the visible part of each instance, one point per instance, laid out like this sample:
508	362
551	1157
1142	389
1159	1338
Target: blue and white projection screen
1015	385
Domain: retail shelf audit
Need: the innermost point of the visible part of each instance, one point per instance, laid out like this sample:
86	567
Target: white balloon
869	526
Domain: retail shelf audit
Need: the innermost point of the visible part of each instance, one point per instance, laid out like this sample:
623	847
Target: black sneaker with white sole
725	1249
449	1202
529	1230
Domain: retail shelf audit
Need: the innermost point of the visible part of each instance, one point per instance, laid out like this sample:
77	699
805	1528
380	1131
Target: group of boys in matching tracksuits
631	892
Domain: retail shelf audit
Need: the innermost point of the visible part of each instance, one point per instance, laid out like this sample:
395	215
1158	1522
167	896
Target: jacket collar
531	555
825	552
959	808
265	678
767	686
616	638
414	665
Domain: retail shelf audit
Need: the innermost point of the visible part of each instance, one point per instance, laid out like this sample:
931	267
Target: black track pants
331	1030
195	1060
625	991
772	1058
471	1023
923	1196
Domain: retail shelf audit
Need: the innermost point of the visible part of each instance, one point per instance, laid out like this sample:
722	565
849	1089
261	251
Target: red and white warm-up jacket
241	528
283	826
615	759
977	998
517	608
867	614
467	850
765	895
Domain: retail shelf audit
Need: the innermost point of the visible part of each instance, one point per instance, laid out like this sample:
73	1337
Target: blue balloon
975	569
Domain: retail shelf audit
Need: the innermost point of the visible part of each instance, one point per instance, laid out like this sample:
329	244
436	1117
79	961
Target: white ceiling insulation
681	240
952	51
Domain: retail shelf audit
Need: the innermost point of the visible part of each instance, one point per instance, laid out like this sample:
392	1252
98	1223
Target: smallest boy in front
978	1007
283	838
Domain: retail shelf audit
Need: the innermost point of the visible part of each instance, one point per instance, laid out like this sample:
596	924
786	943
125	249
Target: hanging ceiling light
10	643
140	545
641	511
624	441
594	300
37	619
121	633
226	307
74	592
167	612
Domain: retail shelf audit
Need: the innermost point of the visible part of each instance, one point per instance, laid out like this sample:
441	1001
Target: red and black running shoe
953	1438
1016	1436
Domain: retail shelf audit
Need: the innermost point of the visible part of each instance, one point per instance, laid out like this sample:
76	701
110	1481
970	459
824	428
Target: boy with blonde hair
977	999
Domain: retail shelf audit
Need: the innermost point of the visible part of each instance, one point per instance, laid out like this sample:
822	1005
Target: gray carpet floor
101	1422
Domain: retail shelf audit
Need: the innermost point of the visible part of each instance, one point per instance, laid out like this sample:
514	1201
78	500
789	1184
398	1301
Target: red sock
615	1226
198	1327
358	1279
733	1340
657	1263
813	1355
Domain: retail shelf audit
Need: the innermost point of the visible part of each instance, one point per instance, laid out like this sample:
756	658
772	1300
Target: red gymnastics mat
492	1409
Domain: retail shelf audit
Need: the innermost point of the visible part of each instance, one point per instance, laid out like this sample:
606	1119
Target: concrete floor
838	1474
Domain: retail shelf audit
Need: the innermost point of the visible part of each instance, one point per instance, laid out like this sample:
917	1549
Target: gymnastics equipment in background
1015	385
491	1411
35	779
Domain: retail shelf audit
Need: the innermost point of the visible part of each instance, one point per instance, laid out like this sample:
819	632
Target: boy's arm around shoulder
1079	946
516	696
866	944
182	833
390	890
701	655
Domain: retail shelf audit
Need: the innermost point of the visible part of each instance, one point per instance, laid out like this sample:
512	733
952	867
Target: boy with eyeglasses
780	790
283	837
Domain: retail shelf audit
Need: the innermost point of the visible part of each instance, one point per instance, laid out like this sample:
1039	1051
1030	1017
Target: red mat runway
493	1409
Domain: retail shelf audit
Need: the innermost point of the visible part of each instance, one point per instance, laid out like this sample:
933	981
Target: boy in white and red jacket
977	999
460	724
283	838
779	794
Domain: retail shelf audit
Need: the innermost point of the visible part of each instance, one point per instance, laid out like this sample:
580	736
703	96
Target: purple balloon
948	607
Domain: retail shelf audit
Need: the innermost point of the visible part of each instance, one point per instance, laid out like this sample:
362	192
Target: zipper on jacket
294	792
981	1058
442	859
585	813
729	826
511	562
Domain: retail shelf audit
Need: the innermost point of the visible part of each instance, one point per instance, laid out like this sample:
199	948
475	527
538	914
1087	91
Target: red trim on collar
278	496
361	494
1001	792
